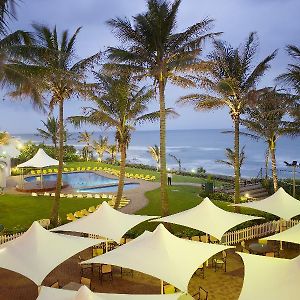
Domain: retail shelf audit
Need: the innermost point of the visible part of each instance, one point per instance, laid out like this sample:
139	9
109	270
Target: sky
275	21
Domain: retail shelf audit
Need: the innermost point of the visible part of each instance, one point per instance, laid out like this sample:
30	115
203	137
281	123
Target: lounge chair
46	194
34	194
78	214
92	209
62	195
71	217
85	212
97	196
88	168
79	195
169	289
78	169
89	195
32	172
50	171
70	196
220	262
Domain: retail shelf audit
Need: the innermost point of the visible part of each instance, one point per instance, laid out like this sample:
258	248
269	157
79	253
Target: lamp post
294	165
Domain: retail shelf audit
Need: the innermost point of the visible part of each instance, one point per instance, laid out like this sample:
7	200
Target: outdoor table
73	286
260	248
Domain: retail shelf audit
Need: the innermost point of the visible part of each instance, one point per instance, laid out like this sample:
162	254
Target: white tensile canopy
270	278
40	160
106	222
162	255
208	218
84	293
280	204
291	235
37	252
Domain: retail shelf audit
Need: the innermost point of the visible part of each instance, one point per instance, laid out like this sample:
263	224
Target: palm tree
4	138
155	154
230	158
85	138
229	83
52	66
120	104
101	146
178	160
112	150
7	11
52	131
267	119
152	48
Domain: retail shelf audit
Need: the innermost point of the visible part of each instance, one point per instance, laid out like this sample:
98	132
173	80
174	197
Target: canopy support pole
41	178
206	242
106	245
280	230
161	287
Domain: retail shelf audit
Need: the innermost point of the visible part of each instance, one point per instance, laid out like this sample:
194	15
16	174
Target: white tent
208	218
270	278
106	222
280	204
162	255
291	235
40	160
37	252
84	293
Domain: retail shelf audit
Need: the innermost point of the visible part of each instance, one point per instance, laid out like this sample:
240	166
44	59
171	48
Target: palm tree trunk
274	168
236	119
267	163
122	175
163	159
56	200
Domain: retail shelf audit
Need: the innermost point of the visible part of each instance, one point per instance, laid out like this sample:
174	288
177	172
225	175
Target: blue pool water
78	180
106	189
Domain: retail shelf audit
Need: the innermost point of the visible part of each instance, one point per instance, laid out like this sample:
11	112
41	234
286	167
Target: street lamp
294	165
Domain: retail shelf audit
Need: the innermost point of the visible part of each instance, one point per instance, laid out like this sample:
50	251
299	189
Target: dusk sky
276	21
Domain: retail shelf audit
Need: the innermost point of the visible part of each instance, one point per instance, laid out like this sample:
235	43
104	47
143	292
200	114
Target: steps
254	191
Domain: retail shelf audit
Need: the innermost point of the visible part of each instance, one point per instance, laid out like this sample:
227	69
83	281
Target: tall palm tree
152	48
101	146
51	131
267	120
51	64
85	138
231	158
112	150
121	105
229	83
155	154
7	11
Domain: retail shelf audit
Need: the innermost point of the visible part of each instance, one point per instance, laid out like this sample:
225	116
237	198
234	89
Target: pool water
78	180
114	188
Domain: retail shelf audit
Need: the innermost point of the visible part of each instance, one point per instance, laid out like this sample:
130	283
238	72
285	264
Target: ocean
200	148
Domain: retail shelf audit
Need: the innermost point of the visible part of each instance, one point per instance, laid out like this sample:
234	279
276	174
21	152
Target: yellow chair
32	172
85	212
262	242
78	169
44	171
169	289
97	251
38	172
78	214
55	170
71	217
83	169
92	209
72	169
88	168
50	171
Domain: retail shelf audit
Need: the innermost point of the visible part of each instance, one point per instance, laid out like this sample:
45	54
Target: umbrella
208	218
163	255
106	222
37	252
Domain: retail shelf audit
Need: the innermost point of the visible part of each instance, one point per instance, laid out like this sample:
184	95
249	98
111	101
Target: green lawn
17	212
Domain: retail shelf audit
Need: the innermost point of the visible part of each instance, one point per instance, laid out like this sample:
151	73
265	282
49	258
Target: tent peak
84	293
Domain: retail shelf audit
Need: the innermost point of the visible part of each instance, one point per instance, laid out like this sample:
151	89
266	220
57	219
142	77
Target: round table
260	248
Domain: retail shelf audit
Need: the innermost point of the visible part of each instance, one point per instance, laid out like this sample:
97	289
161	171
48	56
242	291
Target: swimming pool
77	180
113	188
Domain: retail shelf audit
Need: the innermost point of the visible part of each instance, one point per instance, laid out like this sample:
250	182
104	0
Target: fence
229	238
257	231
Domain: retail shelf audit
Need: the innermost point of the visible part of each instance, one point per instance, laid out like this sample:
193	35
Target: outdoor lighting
294	165
247	195
193	171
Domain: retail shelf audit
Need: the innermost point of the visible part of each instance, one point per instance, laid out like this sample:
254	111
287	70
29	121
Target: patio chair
78	214
84	267
32	172
79	196
85	212
88	168
50	171
220	262
105	270
92	209
86	281
62	195
89	196
46	194
169	289
262	242
55	285
195	238
214	240
200	271
97	196
70	196
55	170
34	194
202	294
52	194
97	251
203	238
71	217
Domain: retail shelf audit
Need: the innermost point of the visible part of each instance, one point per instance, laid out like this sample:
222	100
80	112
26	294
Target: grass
18	212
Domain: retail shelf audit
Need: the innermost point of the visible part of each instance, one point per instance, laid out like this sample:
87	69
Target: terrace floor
220	285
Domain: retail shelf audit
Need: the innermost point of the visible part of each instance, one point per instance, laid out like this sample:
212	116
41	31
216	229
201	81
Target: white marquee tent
162	255
291	235
270	278
280	204
37	252
106	222
40	160
208	218
84	293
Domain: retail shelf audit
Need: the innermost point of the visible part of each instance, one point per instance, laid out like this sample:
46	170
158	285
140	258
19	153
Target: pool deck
136	195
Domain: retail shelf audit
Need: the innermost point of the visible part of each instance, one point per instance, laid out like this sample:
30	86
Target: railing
229	238
257	231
